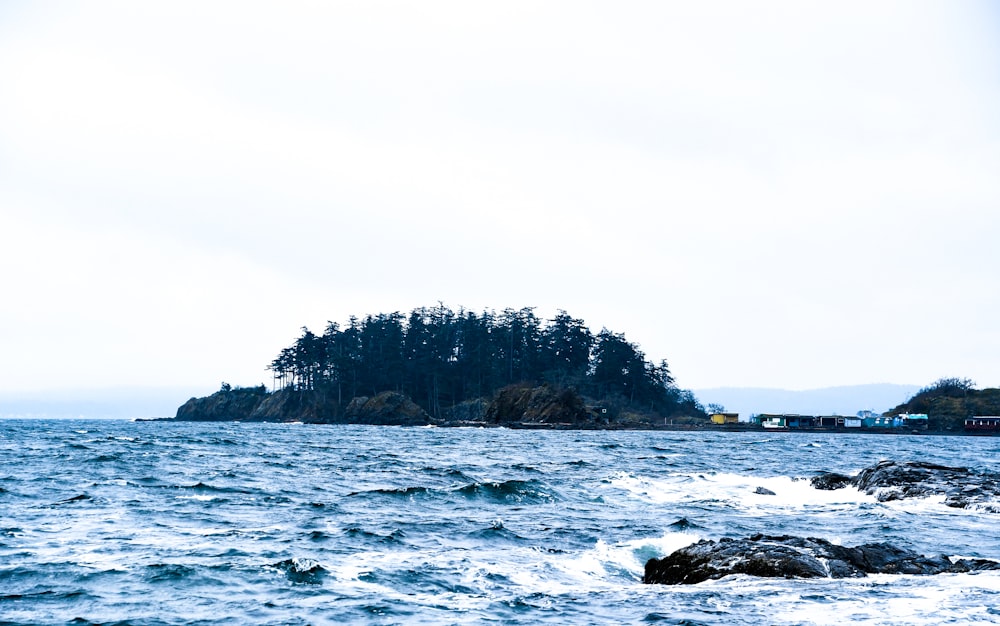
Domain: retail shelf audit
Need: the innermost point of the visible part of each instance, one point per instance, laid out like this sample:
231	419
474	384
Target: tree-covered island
438	366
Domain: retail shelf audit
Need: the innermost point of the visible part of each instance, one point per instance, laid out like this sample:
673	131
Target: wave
83	497
447	472
520	491
683	524
206	488
301	570
395	536
168	572
47	595
405	492
103	458
496	531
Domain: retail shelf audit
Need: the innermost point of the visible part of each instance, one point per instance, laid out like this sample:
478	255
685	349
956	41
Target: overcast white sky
779	194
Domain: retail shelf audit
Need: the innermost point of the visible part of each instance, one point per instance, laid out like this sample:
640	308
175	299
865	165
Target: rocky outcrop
302	405
287	405
830	481
470	411
387	408
545	406
893	480
796	557
227	404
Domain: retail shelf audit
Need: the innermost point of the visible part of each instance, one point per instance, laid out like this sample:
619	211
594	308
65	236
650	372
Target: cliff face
226	404
309	406
285	405
387	408
517	405
523	404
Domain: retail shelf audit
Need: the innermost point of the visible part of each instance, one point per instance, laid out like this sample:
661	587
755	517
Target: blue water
227	523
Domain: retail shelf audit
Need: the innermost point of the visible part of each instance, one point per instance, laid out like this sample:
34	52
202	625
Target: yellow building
725	418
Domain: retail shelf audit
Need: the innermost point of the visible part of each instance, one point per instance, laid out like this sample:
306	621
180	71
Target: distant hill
846	400
949	401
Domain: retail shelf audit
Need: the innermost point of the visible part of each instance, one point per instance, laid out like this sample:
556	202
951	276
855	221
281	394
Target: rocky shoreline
518	406
788	556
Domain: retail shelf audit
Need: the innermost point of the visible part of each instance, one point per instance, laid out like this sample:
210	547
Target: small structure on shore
793	421
725	418
983	424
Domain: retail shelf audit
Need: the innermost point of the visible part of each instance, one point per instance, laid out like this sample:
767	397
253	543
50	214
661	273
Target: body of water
114	522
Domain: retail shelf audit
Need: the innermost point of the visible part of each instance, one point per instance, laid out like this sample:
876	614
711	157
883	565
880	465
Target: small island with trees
442	367
436	366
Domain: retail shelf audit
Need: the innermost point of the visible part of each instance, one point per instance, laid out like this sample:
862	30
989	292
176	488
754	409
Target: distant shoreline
706	428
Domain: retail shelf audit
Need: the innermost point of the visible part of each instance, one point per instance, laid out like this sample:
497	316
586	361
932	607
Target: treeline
441	358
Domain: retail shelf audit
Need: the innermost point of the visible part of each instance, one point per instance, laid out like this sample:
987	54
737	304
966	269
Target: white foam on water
199	498
876	599
611	565
741	490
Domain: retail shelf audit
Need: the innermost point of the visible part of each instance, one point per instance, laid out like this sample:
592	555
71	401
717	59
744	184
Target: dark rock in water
891	480
301	570
831	481
764	491
796	557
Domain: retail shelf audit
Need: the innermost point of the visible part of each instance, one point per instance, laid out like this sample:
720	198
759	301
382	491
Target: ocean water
115	522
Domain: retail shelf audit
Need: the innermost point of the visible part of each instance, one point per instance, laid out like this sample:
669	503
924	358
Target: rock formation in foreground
796	557
893	480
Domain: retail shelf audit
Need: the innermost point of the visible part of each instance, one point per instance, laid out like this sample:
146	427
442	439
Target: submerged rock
796	557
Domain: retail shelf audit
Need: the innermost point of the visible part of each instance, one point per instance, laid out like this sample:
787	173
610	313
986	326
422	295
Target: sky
793	195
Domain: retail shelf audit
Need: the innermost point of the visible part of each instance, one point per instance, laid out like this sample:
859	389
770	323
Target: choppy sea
117	522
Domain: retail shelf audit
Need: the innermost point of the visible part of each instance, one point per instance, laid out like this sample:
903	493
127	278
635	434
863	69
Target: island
436	366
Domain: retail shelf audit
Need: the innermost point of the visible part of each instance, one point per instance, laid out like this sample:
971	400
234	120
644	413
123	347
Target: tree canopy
441	358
